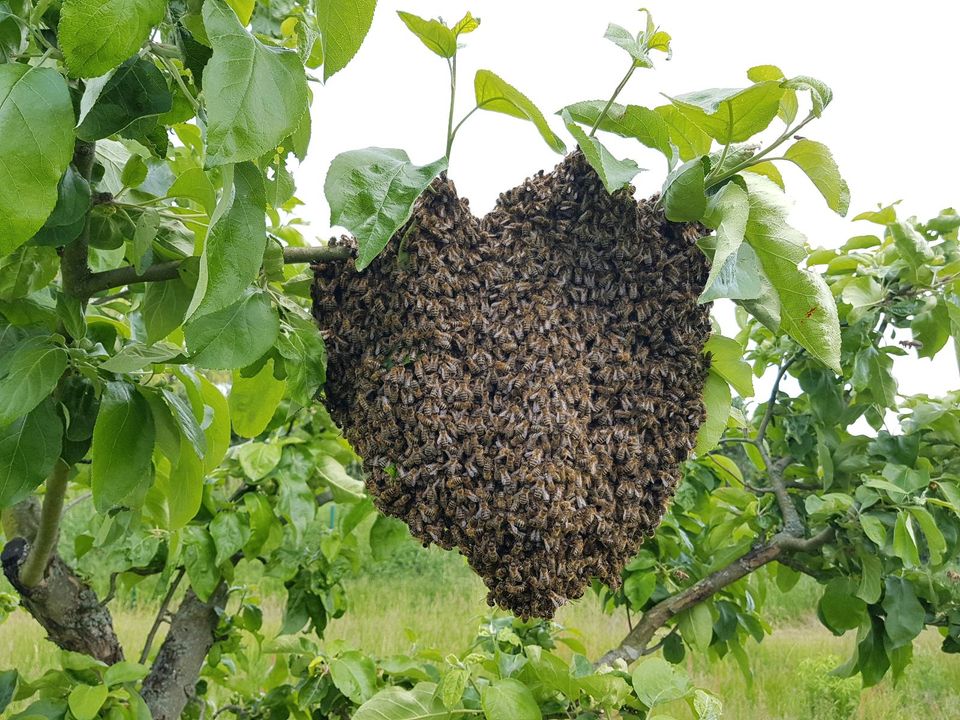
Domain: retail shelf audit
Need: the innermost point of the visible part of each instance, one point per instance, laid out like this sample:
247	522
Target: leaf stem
755	159
452	64
172	69
462	121
606	108
35	566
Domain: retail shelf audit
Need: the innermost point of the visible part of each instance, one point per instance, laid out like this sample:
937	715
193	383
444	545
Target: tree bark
173	676
64	605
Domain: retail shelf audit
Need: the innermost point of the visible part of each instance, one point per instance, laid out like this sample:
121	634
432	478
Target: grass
439	602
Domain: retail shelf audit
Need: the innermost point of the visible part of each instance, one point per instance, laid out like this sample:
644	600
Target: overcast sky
892	125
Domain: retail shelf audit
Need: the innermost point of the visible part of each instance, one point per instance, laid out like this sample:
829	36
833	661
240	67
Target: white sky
892	125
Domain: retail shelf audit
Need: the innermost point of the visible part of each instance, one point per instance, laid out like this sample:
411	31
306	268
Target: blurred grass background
432	598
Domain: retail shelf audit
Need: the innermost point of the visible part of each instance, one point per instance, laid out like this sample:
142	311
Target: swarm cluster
524	386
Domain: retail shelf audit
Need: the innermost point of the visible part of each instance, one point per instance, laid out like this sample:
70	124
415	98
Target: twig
771	403
128	275
145	653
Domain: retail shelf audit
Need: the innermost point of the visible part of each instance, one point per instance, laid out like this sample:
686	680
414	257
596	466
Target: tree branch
635	644
164	604
771	403
74	268
128	275
41	548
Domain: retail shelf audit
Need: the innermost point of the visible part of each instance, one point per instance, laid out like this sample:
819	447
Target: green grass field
439	602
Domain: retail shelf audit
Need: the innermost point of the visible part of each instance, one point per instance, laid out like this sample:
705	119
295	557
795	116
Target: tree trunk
173	676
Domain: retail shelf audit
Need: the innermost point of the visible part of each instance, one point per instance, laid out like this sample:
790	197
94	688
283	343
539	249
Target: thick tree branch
128	275
74	268
635	644
65	606
173	676
48	530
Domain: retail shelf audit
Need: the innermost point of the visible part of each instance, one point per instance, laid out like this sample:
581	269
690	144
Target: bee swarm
524	386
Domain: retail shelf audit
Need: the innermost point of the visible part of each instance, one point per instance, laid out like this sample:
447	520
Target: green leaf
258	458
614	174
194	184
27	270
396	703
629	121
839	608
163	307
354	675
253	400
873	372
136	356
656	681
98	35
29	448
85	701
200	561
932	327
467	24
234	249
742	279
229	535
36	144
69	214
261	91
183	486
862	292
716	401
696	627
28	374
936	543
905	541
817	162
904	614
820	94
217	432
137	90
769	171
124	672
343	486
732	115
508	699
874	529
497	95
371	193
343	25
235	336
684	198
911	245
123	441
638	587
870	586
386	535
727	211
305	356
639	47
788	103
689	139
726	359
9	680
807	309
434	34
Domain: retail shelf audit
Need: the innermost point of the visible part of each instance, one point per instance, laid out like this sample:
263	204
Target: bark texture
65	606
172	681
